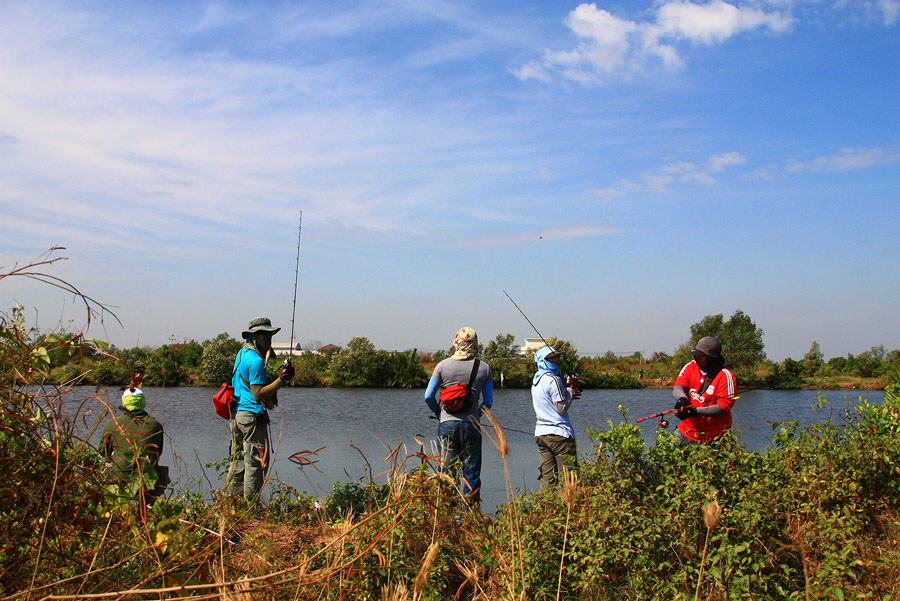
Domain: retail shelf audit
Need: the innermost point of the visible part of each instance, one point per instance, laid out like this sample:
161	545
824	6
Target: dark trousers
557	453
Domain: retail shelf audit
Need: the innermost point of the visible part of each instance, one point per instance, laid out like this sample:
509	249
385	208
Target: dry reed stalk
569	492
499	442
394	592
422	576
397	484
502	445
711	514
469	569
37	561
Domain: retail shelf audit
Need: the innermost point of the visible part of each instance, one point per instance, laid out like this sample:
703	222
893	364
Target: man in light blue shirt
553	432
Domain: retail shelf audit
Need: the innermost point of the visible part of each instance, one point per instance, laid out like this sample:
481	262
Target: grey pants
557	453
250	454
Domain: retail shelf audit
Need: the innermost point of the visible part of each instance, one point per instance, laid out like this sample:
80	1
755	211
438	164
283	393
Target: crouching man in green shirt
132	442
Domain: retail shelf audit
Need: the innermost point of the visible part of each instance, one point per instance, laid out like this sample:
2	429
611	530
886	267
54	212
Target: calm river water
375	421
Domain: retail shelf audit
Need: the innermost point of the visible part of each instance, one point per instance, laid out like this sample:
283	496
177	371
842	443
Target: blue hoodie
550	398
544	366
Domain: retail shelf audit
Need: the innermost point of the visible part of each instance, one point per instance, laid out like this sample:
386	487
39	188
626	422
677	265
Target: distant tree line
360	364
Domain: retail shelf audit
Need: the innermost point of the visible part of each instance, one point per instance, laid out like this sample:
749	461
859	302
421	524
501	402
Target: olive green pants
557	453
250	454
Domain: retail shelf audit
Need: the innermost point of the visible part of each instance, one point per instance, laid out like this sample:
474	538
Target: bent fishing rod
532	325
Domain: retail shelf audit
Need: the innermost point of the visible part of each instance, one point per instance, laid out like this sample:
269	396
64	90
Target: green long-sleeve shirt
132	440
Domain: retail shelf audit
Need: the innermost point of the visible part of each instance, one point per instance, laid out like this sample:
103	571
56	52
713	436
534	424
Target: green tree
742	342
359	365
217	362
164	369
568	362
868	363
310	369
741	339
813	360
406	370
501	353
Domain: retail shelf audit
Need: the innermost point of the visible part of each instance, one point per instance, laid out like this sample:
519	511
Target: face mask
263	343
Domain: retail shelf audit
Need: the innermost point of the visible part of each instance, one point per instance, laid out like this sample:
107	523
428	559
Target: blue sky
621	169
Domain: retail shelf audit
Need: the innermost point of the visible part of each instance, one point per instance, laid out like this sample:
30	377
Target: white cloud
678	172
891	11
763	174
611	46
716	21
847	159
728	159
605	193
691	173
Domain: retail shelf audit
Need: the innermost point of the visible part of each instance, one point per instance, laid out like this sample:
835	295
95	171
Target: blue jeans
461	441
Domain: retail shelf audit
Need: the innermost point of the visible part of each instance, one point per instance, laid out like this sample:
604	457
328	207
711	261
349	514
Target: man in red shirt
704	393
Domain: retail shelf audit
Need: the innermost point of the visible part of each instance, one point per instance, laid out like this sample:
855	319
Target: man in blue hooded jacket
553	432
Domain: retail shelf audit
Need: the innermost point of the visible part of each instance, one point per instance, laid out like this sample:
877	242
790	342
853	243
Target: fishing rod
526	317
655	415
296	279
662	413
574	377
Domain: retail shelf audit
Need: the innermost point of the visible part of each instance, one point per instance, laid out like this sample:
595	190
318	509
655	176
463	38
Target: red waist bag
458	397
222	401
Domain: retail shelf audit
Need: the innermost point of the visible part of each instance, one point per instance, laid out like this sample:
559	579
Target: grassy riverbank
816	517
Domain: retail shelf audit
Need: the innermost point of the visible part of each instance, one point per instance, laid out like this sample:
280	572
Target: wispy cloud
683	172
846	159
168	123
890	10
605	193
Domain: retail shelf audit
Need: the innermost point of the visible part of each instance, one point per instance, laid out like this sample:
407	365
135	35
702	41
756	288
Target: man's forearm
266	393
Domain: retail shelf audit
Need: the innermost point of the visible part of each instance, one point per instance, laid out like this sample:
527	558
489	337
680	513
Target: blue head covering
544	366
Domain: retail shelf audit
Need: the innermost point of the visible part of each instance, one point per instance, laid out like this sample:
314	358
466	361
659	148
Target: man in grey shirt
459	431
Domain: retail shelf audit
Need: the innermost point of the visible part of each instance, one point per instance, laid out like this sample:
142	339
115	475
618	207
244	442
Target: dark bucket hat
708	346
260	324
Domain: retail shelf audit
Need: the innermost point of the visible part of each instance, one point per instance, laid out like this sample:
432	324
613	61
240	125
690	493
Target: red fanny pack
222	401
457	398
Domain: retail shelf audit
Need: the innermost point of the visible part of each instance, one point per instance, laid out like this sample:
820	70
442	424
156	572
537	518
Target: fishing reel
663	423
573	383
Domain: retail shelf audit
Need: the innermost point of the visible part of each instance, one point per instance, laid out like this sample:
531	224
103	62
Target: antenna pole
296	278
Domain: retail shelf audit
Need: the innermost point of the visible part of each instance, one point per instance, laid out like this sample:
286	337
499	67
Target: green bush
594	378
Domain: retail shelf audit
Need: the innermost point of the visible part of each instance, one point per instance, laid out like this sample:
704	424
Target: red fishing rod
664	424
655	415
